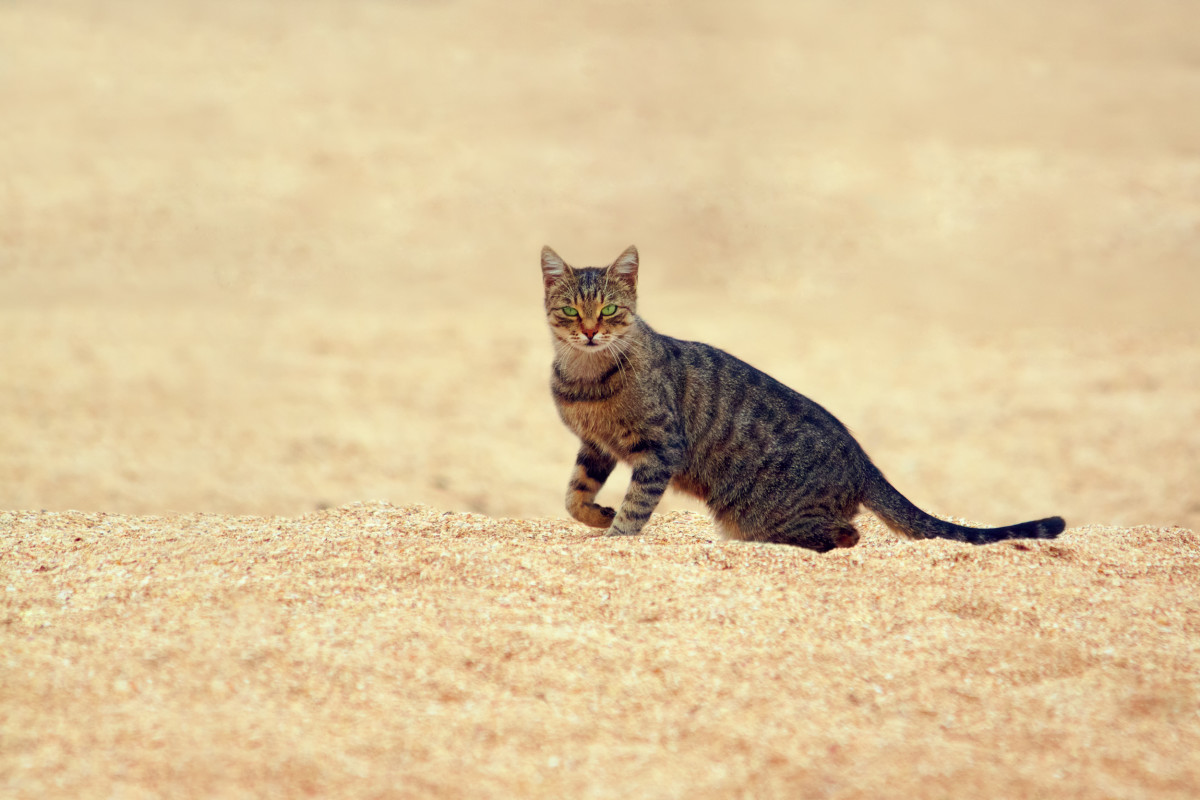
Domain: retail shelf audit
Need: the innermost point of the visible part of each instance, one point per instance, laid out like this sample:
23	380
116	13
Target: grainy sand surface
382	651
261	262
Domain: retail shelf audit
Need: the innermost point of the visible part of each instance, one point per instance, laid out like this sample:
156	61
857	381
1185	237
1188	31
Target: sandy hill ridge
384	651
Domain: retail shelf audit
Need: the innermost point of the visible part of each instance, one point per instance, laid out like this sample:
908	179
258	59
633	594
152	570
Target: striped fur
772	465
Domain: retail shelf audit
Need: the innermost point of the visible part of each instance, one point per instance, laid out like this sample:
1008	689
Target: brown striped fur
772	465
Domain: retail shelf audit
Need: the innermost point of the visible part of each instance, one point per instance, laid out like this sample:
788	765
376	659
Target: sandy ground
378	651
260	259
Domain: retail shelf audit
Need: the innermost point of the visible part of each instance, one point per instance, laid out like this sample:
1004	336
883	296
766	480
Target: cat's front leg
652	472
592	468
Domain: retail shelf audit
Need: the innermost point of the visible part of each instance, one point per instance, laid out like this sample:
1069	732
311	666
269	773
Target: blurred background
262	257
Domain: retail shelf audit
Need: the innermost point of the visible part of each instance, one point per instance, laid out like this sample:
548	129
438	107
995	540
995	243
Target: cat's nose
590	333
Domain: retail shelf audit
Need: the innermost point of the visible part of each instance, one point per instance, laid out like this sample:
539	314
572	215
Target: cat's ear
553	267
626	266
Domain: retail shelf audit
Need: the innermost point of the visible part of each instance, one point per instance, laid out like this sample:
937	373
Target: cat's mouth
591	345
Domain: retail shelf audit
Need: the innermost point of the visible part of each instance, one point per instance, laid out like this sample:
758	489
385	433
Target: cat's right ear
553	267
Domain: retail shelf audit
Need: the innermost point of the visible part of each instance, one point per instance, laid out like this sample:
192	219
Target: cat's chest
617	426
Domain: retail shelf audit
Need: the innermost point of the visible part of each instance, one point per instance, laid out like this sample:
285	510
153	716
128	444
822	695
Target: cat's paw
595	515
613	530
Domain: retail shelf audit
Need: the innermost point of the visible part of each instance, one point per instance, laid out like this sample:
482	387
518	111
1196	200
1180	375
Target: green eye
570	311
608	310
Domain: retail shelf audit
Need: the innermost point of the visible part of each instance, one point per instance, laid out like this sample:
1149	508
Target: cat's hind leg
820	533
814	533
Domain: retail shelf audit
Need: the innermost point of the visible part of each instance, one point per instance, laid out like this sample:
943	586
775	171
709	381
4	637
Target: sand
281	481
381	651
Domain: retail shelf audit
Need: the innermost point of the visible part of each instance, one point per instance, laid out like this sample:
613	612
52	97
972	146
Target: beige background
260	258
265	258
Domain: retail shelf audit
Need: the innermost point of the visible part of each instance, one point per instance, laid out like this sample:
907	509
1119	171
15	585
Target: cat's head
592	307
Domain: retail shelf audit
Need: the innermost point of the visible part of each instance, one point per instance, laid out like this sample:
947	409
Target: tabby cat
772	465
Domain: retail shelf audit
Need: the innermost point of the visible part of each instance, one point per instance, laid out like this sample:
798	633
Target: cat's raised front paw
594	515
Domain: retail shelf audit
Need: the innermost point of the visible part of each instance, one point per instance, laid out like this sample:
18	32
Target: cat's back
706	372
723	399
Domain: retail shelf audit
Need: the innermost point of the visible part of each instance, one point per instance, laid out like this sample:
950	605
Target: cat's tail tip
1048	528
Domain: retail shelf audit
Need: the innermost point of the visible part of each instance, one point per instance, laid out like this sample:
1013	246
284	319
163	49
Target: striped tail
906	519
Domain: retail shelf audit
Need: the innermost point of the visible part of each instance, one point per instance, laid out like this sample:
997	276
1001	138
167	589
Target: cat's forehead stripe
591	279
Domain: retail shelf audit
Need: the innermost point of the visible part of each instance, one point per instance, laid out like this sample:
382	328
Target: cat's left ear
553	267
626	266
